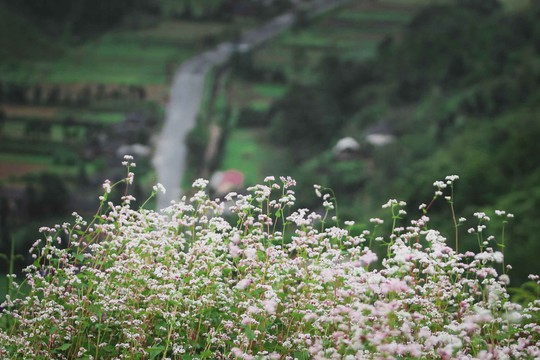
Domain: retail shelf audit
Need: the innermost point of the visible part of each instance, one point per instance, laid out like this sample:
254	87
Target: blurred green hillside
80	80
459	90
455	83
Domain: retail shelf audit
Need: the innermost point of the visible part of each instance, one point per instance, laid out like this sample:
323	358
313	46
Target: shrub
252	118
274	283
197	141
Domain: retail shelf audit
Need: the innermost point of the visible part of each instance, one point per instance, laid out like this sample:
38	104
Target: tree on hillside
74	19
2	120
305	121
466	76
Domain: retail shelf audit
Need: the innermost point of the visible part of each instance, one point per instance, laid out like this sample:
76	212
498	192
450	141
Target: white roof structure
380	139
346	144
134	149
380	134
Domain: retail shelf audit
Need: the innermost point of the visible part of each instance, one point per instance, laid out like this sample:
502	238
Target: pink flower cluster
255	278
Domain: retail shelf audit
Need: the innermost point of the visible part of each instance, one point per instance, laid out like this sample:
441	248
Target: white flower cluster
266	282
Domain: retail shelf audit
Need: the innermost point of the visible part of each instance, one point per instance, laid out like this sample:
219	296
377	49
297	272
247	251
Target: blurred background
375	99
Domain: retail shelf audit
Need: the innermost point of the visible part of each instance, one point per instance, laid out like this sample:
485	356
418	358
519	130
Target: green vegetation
457	91
270	90
452	86
247	150
26	42
122	57
455	85
98	117
267	281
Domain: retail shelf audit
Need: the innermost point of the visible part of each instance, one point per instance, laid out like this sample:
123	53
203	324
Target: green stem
456	225
11	267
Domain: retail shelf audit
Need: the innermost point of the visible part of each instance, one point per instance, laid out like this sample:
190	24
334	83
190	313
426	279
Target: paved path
186	94
170	156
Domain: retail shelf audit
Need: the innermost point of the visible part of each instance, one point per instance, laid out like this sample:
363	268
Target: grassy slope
479	122
131	57
351	32
123	57
20	39
142	56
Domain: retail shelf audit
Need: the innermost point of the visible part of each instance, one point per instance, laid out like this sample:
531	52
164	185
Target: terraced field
353	31
93	85
141	57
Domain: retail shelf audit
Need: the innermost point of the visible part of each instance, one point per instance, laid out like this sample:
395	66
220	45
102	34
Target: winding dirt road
185	98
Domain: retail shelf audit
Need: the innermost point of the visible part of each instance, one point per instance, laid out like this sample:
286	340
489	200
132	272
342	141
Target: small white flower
439	184
159	188
200	183
389	203
504	279
107	186
130	177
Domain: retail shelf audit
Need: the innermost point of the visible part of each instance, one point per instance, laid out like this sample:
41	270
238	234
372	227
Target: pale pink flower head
250	253
394	285
235	239
367	258
234	250
327	275
270	306
243	284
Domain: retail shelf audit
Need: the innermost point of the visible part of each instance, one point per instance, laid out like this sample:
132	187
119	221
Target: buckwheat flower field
253	277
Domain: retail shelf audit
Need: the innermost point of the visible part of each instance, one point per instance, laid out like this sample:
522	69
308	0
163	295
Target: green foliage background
460	91
459	88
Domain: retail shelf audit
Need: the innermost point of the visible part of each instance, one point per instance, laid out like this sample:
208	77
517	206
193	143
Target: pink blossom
270	306
394	285
234	250
327	275
250	253
243	284
368	257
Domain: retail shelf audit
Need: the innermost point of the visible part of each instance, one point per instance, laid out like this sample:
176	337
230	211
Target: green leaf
250	334
301	355
206	354
155	351
64	347
297	315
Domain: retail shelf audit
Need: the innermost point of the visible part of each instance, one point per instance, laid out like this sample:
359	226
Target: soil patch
46	112
378	5
12	169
